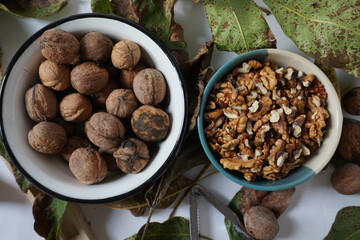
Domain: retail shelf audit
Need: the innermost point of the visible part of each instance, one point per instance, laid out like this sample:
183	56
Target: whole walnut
349	146
96	47
149	86
125	54
105	130
41	103
346	179
127	76
47	137
261	223
59	46
121	103
150	123
75	107
132	156
88	78
87	165
351	101
73	143
99	98
55	76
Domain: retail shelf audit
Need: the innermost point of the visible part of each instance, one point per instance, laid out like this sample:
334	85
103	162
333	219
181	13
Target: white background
310	213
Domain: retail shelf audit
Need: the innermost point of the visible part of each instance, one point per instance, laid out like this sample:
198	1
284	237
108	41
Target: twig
152	208
188	190
173	194
205	237
266	11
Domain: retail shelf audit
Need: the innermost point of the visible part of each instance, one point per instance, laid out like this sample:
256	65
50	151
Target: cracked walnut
263	120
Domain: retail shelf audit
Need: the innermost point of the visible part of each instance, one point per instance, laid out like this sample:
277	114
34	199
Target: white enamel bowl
49	172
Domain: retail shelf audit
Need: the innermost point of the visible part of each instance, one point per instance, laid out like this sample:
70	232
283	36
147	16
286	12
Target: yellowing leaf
328	31
238	25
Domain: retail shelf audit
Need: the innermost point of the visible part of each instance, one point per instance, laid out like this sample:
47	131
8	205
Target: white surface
49	170
311	211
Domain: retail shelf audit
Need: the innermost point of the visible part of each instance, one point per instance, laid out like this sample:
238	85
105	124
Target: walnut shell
99	98
126	78
47	137
261	223
150	123
149	86
132	156
54	75
96	47
87	165
75	107
88	78
351	101
72	144
105	130
125	54
121	103
346	179
349	146
41	103
59	46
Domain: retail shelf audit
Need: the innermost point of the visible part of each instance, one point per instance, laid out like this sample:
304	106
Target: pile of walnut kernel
264	121
104	89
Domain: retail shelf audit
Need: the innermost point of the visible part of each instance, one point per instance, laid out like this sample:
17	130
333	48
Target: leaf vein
315	20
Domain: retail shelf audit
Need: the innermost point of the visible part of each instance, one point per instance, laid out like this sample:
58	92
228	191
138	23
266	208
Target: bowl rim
178	144
223	70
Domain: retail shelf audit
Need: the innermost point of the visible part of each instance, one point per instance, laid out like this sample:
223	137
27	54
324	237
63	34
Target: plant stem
188	190
204	237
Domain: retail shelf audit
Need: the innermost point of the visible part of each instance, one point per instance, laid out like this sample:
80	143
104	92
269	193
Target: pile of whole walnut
81	80
264	121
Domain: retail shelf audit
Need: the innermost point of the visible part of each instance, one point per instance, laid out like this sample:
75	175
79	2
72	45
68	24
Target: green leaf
48	214
331	74
346	224
337	160
33	8
328	31
234	205
101	6
238	25
176	228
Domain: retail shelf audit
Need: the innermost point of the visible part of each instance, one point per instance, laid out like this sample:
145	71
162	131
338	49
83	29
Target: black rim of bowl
177	145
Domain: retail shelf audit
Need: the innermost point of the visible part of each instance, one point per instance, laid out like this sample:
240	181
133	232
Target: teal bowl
317	160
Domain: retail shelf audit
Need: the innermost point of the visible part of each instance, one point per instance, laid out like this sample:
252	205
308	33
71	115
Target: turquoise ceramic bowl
317	160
